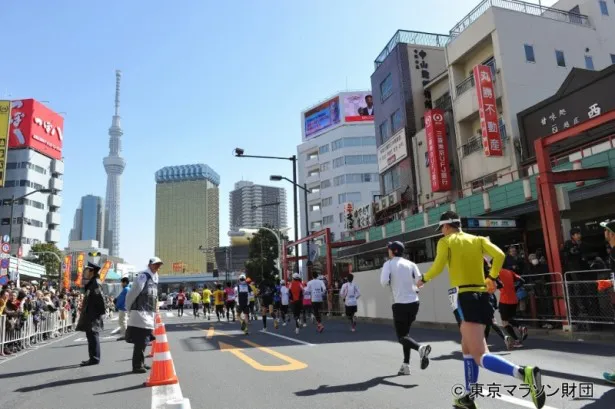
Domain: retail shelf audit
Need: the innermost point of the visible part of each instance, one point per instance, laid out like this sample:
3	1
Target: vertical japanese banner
104	270
5	121
66	277
489	124
437	151
80	261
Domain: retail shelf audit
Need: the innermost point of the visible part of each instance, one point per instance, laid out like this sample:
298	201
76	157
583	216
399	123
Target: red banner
178	267
36	126
66	278
437	150
80	260
489	125
104	270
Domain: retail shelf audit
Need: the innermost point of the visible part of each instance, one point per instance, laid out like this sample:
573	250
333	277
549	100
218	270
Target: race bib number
453	295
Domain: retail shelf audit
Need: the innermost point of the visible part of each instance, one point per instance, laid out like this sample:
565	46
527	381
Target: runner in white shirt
350	294
285	298
402	275
318	290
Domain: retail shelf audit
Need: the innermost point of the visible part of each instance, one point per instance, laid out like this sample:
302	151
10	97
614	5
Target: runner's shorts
245	308
266	302
351	310
475	307
508	311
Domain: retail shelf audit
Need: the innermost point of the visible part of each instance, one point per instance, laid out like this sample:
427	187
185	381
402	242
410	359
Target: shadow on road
127	389
604	402
65	382
37	371
354	387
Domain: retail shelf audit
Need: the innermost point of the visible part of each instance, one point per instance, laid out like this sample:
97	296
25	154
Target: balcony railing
468	83
520	6
475	143
411	37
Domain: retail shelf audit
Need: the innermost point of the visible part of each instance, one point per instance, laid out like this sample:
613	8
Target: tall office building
337	160
253	206
187	218
114	166
89	221
33	176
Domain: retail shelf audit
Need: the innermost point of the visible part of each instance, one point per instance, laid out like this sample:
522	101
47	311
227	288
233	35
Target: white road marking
101	338
169	314
163	394
115	331
516	401
298	341
34	348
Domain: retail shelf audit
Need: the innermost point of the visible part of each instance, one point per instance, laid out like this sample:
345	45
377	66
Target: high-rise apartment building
253	206
337	160
89	221
33	178
187	218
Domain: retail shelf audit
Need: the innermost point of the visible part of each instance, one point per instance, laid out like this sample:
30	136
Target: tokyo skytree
114	166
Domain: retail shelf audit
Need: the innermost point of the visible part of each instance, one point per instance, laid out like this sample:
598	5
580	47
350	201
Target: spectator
574	253
120	303
513	261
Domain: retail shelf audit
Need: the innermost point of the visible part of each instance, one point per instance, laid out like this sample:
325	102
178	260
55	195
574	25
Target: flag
104	270
66	278
80	259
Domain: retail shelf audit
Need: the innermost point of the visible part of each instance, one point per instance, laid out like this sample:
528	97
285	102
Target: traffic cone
163	370
157	322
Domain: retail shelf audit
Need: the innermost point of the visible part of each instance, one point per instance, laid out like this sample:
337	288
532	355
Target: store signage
437	151
487	110
393	151
491	223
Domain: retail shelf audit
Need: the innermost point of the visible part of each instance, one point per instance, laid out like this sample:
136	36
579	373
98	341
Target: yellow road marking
211	332
291	364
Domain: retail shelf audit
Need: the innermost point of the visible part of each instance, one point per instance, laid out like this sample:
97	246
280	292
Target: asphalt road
219	367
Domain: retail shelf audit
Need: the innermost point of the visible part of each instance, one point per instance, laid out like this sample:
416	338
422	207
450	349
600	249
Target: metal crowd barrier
588	303
23	332
546	299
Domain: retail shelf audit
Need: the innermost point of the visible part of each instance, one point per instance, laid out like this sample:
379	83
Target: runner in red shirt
296	299
508	306
181	298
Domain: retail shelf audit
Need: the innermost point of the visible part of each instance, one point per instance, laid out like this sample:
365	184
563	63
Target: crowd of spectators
31	299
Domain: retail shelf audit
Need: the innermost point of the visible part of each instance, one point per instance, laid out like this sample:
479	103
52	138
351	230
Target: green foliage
51	263
262	256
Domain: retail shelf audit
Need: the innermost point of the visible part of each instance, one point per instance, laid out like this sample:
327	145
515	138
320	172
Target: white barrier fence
24	331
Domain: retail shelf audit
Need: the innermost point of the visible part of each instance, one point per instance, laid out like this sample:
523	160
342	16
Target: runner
252	300
267	293
350	294
609	235
318	291
229	296
469	295
402	276
307	304
181	298
508	306
284	299
207	302
296	299
277	299
219	301
508	341
243	291
195	297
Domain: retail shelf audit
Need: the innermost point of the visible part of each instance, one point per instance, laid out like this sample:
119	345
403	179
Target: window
339	180
323	185
26	165
353	142
313	155
386	88
337	162
589	62
327	220
323	149
391	180
559	57
337	144
368	141
529	53
313	172
314	208
603	8
317	188
360	159
396	121
352	197
342	220
613	58
384	130
316	225
327	202
324	166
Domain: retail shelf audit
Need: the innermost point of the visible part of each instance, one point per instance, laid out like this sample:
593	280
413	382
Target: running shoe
533	378
320	328
243	326
465	402
509	341
609	377
284	323
404	370
523	333
424	351
297	331
517	344
275	324
304	325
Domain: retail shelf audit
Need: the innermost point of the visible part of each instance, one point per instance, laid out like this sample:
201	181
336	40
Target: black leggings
296	307
180	310
316	306
403	316
195	309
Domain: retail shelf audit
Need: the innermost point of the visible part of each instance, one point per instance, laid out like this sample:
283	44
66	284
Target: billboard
321	117
35	126
437	151
392	151
5	119
359	107
489	124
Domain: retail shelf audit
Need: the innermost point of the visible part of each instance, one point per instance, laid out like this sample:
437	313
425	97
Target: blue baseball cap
397	247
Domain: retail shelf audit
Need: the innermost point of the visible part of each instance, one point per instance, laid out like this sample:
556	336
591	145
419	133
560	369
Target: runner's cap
448	217
609	225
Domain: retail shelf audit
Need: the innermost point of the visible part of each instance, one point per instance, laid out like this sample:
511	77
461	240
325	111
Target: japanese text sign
35	126
487	109
437	151
66	275
5	120
80	260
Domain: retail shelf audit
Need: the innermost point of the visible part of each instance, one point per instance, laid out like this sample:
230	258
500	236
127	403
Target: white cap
282	282
242	277
296	276
155	260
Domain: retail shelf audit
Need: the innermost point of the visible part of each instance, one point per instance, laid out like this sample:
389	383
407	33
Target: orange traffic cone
157	322
163	370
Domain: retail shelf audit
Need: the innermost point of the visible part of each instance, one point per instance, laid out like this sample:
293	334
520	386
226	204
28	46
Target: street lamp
14	199
53	254
240	153
277	178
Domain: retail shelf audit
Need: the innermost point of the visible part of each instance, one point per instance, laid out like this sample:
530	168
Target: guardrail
591	296
545	301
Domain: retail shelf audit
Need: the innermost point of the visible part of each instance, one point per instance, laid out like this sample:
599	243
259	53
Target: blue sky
198	80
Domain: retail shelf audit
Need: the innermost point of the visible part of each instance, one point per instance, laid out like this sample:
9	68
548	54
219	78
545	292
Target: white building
253	206
337	160
36	218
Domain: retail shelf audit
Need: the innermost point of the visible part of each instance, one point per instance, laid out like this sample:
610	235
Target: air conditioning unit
376	206
394	198
384	202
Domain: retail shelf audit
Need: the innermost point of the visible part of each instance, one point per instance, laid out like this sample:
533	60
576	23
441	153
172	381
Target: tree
51	263
262	255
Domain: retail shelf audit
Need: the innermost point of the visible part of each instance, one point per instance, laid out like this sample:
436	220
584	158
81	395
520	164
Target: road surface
218	367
